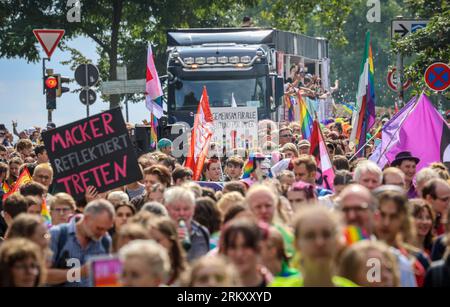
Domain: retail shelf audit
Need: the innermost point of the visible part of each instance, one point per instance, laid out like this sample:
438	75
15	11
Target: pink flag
153	86
325	175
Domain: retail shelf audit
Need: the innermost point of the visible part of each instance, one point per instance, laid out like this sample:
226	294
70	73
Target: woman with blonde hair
228	200
318	235
212	271
358	260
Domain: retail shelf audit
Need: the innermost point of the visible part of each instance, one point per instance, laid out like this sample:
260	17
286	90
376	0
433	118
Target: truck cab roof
286	42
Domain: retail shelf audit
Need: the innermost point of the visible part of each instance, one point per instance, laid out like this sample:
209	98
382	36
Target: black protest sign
96	151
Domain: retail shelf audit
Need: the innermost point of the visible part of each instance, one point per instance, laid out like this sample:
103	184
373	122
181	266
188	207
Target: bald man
358	206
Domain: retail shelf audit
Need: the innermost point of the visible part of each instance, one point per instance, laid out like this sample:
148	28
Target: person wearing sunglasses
286	136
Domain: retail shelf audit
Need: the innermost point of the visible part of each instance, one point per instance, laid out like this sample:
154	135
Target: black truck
248	65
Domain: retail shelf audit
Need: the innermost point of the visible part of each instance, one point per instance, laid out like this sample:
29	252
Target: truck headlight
223	60
188	61
246	59
234	59
211	60
200	60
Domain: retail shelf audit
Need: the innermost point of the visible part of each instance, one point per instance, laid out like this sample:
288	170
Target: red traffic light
51	82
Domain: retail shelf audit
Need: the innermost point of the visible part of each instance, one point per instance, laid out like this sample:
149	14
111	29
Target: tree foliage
427	46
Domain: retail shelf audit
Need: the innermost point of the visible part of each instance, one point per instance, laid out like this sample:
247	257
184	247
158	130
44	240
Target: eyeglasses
43	177
286	135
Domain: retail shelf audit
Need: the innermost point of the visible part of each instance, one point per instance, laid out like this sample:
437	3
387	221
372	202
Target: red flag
200	137
320	153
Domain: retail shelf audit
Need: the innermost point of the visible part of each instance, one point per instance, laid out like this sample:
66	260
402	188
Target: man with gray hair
368	174
180	204
80	239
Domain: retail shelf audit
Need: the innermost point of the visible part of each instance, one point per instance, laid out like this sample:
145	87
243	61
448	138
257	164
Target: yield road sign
404	27
86	75
437	76
392	80
88	96
49	39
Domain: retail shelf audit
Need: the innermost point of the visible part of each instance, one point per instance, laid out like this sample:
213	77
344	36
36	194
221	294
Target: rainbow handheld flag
24	178
153	134
306	121
290	102
354	234
364	116
250	165
45	213
5	188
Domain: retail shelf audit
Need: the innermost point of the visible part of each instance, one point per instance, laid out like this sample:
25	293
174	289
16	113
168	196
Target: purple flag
420	129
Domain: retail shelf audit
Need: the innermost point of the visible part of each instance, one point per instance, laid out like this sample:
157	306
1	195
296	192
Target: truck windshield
246	92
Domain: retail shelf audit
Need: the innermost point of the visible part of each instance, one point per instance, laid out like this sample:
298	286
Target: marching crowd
237	226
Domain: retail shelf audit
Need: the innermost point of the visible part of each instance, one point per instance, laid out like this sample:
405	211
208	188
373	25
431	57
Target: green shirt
288	239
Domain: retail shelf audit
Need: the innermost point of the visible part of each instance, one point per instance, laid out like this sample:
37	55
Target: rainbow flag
364	116
306	121
24	178
290	101
153	134
354	234
5	187
250	165
46	214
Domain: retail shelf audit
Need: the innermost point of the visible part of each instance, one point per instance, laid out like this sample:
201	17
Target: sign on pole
86	75
403	27
392	80
95	151
88	96
49	39
437	76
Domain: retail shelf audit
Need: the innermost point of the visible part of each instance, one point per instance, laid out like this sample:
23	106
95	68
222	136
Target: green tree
427	46
346	55
120	28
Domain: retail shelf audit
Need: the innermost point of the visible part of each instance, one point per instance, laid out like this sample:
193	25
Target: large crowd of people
253	229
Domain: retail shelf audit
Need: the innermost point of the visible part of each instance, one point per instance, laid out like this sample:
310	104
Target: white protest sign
237	126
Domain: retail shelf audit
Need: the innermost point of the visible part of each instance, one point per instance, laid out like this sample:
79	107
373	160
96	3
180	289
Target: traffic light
51	85
61	89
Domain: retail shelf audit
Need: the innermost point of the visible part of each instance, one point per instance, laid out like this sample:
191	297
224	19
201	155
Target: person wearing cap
304	147
407	163
165	146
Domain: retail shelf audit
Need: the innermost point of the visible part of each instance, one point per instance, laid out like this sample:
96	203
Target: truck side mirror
279	90
278	83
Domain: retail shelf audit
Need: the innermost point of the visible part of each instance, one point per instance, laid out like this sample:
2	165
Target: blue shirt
73	249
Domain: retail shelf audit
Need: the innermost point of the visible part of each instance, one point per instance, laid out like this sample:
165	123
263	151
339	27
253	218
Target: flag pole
364	146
